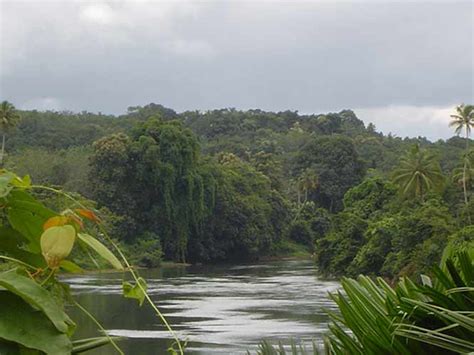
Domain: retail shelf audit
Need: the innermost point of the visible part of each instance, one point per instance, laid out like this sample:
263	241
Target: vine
36	244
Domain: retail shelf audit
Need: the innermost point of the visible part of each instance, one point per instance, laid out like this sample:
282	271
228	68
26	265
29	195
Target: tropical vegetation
229	185
240	185
434	316
36	245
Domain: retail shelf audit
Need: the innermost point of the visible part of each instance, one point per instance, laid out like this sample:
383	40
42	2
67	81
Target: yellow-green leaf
101	249
22	183
56	244
71	267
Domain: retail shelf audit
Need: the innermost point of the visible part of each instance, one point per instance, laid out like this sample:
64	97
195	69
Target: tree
464	119
9	118
308	181
338	166
465	174
418	173
372	195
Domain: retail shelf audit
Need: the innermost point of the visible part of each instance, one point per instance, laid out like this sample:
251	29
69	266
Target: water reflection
218	309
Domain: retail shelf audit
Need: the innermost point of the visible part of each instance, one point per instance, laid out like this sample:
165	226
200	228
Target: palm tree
466	172
418	173
308	181
464	119
9	117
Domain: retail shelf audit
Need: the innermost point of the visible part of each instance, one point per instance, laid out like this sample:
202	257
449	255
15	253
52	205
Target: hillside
229	184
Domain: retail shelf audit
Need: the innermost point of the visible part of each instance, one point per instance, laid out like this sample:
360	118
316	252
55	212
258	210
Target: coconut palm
463	119
466	172
9	117
308	181
418	173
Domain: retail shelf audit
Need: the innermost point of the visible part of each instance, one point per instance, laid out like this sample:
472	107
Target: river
225	309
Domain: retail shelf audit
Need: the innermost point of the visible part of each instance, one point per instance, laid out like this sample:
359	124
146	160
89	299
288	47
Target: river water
225	309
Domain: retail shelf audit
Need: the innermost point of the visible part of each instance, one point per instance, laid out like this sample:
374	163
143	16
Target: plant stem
18	262
86	312
464	176
127	264
149	300
3	150
48	277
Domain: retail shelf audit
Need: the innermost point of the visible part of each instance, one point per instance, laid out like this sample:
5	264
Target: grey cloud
309	56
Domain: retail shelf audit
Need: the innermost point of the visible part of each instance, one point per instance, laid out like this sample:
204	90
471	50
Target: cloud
190	48
42	104
425	121
97	13
311	56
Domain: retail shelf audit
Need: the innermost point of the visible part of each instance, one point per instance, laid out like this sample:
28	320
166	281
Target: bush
300	232
146	251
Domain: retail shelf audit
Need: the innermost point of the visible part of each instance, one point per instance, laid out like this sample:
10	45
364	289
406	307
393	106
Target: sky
403	65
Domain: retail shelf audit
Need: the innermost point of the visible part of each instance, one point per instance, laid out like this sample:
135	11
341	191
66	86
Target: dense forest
227	185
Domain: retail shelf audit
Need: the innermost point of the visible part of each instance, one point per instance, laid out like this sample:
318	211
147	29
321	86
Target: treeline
229	184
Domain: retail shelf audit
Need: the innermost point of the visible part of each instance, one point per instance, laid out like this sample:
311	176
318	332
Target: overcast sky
401	64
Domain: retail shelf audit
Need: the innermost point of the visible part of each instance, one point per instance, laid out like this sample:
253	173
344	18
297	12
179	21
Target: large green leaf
101	249
22	324
27	216
11	242
35	295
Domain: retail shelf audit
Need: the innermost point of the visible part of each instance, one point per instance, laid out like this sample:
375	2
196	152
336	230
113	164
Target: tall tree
9	118
338	167
463	119
418	173
466	172
308	181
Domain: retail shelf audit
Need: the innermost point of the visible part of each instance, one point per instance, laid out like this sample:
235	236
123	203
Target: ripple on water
229	309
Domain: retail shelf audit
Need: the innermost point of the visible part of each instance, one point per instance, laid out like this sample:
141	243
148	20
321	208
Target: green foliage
369	197
248	216
233	185
35	245
137	291
431	317
300	232
155	180
335	252
266	348
24	326
39	298
310	224
393	238
336	162
68	168
183	177
9	118
463	119
146	251
202	210
418	173
370	258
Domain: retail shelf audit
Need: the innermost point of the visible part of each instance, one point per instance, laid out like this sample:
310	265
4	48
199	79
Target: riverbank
285	250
